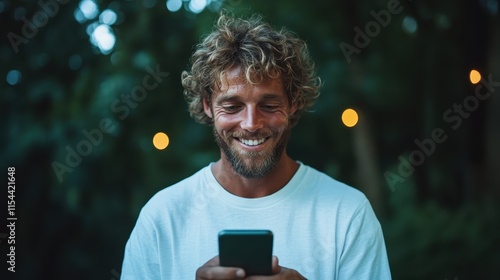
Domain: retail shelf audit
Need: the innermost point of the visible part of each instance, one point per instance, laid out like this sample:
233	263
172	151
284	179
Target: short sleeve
364	254
141	252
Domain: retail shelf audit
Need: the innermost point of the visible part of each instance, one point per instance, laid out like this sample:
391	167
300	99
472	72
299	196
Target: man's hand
212	270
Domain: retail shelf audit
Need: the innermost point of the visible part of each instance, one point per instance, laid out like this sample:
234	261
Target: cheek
225	120
223	124
281	120
276	121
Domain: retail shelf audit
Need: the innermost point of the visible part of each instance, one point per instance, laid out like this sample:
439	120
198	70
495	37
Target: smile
250	142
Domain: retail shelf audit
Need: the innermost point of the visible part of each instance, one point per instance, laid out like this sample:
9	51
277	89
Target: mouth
251	142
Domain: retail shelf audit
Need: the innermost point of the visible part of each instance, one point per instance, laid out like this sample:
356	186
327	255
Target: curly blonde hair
262	52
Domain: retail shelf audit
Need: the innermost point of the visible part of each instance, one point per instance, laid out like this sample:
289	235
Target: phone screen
251	250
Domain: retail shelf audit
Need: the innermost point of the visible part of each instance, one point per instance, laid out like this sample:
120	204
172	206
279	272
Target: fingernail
240	273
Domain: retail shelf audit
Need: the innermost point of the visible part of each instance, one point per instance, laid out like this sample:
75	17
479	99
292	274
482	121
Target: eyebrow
235	97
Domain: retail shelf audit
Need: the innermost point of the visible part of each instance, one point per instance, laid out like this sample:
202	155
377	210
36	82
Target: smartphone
251	250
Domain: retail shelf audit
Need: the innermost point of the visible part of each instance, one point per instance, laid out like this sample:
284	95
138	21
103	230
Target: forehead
234	82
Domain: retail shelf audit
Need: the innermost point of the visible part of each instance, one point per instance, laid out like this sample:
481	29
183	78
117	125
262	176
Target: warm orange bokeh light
160	140
350	117
474	76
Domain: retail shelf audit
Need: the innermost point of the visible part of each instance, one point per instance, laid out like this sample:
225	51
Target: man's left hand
279	273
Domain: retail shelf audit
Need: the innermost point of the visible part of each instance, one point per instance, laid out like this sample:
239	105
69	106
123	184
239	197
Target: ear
207	109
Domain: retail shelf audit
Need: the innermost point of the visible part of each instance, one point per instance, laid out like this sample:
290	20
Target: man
252	83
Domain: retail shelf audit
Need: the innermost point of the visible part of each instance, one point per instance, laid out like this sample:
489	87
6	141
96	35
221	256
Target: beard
252	165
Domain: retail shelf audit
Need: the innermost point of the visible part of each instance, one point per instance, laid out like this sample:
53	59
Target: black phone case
251	250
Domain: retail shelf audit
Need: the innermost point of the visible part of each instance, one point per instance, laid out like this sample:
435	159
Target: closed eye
270	108
231	108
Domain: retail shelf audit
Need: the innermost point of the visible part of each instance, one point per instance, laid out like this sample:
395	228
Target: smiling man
252	83
251	126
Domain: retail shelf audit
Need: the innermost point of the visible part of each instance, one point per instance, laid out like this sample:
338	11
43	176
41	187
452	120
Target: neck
272	182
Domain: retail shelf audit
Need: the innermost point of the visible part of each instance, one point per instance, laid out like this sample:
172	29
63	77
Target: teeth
252	142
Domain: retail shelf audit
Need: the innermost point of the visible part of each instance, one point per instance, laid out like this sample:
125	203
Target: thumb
276	266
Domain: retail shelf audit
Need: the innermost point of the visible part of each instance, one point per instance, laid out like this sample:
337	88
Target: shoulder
330	192
173	197
323	183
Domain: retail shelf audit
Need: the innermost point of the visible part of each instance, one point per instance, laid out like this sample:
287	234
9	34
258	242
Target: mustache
246	135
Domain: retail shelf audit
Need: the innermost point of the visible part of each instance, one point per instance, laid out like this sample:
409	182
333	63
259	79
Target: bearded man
251	84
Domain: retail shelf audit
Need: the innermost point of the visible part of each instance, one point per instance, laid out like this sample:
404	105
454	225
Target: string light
474	76
161	141
350	117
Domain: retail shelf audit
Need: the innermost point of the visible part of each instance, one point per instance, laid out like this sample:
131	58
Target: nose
252	119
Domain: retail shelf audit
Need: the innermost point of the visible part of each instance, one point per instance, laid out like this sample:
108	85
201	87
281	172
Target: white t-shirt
322	228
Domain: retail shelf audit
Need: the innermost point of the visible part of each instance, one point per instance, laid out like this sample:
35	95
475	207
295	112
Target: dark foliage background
75	212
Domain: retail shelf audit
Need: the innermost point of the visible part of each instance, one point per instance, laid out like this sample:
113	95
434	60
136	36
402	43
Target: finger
220	273
276	267
213	262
